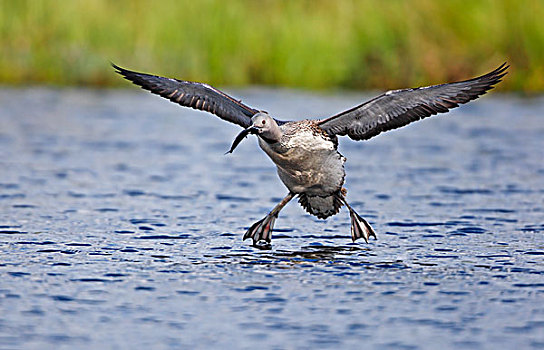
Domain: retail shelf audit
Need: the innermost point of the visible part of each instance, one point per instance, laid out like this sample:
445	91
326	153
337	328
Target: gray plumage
305	152
397	108
195	95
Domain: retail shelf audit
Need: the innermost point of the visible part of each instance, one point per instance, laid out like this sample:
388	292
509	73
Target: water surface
121	225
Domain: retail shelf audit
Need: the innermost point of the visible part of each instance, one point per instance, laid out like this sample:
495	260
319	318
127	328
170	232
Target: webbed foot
360	228
261	232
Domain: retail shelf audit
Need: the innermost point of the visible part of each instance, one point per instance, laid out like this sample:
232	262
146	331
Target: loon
306	152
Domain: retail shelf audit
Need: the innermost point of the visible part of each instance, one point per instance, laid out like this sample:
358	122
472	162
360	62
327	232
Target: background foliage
318	44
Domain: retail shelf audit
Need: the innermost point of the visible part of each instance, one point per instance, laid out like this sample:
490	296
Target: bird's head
262	125
266	127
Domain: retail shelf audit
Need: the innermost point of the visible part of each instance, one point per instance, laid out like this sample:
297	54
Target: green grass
309	44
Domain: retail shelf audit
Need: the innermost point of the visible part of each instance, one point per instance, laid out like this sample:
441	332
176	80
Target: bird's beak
241	136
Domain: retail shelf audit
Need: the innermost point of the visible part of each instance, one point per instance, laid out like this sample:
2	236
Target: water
121	223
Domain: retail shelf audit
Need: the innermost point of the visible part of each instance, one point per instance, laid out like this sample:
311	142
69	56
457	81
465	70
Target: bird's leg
359	226
262	229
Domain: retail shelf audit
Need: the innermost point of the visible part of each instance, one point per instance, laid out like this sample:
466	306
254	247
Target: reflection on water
121	225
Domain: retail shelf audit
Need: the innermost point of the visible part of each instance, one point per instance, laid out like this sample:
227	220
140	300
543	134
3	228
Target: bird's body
306	152
309	165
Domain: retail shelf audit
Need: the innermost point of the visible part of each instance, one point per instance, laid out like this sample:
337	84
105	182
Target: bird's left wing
195	95
400	107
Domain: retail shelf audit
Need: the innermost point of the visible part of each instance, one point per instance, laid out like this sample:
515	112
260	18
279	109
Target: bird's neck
272	136
270	141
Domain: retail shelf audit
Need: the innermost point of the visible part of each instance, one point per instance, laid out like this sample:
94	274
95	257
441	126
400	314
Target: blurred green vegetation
318	44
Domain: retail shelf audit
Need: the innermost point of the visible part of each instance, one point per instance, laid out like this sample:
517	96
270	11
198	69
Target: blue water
121	225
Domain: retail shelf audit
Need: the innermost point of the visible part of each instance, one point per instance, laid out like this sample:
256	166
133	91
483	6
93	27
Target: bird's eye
264	122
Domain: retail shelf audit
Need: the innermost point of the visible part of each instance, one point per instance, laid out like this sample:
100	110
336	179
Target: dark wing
400	107
195	95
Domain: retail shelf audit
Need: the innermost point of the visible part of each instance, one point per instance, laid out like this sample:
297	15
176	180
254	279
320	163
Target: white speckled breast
307	159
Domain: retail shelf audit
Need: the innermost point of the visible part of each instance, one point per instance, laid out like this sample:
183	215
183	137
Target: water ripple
112	225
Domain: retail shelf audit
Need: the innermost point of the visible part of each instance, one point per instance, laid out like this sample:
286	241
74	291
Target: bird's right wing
400	107
195	95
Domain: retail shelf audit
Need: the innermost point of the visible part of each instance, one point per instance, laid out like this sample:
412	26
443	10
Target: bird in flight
306	152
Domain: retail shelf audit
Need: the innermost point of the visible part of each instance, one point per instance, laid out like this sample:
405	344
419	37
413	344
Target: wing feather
195	95
397	108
